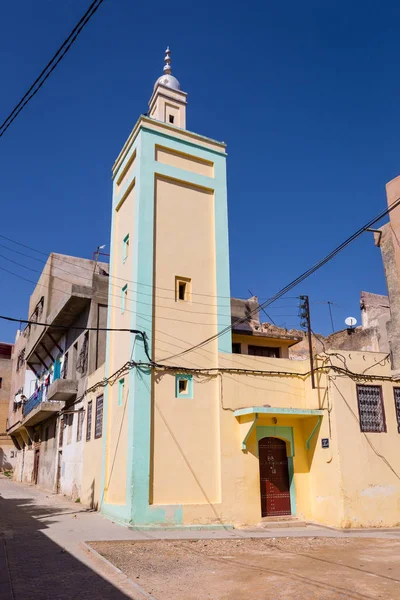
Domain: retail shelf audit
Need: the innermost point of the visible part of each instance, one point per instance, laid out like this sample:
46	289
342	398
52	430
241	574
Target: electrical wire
51	65
108	294
142	334
298	279
62	258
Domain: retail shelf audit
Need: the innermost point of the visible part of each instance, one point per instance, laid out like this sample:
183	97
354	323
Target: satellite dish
350	322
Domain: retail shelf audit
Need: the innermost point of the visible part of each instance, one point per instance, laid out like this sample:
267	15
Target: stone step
281	522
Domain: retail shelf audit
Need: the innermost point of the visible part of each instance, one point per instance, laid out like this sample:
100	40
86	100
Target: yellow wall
92	450
182	473
119	351
184	161
369	462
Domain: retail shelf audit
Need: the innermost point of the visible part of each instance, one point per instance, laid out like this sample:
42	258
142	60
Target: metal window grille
64	371
99	417
396	392
89	421
81	365
81	416
370	406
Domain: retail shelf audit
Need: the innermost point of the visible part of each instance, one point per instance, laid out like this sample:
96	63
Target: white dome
169	81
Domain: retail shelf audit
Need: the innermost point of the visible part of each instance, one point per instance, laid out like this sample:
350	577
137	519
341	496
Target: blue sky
304	94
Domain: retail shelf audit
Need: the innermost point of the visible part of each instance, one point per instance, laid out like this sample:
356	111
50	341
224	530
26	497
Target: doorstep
281	522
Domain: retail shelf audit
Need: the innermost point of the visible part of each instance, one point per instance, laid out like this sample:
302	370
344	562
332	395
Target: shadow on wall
94	505
39	568
4	464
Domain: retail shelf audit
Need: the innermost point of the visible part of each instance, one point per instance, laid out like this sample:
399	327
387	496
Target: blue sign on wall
325	442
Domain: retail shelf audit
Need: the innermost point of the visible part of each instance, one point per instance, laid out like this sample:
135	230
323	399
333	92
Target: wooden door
36	465
274	477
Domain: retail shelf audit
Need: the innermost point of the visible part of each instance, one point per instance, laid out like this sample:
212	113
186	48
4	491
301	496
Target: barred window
396	392
370	407
98	428
81	416
89	421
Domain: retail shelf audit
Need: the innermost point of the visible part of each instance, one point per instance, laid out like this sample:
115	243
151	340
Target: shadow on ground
39	568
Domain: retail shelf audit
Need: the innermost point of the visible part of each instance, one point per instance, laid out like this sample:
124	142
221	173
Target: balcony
62	390
42	340
36	409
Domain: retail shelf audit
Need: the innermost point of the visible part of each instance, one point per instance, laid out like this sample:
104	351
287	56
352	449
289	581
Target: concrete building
7	450
387	238
205	424
51	366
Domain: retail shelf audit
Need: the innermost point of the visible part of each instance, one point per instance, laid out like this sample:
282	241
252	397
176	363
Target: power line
107	295
74	327
61	258
298	279
51	65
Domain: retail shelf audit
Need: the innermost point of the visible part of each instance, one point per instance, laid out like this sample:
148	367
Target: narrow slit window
171	118
125	248
121	389
124	296
182	289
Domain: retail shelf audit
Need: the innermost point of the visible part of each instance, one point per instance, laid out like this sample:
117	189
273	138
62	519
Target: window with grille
370	407
99	417
79	430
89	421
396	392
264	351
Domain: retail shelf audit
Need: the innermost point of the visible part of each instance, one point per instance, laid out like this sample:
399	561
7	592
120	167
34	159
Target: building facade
60	347
206	419
8	452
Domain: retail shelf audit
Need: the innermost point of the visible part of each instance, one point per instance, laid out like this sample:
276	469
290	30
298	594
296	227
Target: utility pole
306	322
330	312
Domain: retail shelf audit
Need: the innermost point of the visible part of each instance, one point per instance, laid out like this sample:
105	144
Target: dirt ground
261	569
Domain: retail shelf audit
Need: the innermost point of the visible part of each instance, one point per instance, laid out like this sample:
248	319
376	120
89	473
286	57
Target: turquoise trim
199	147
293	506
138	511
317	424
120	513
125	247
124	293
253	424
189	378
267	410
286	434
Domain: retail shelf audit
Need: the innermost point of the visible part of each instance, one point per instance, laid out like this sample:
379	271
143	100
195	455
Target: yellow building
194	434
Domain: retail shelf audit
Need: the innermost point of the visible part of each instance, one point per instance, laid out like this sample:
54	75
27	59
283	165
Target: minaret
168	102
169	280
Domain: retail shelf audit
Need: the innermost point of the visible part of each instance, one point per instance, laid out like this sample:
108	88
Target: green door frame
286	434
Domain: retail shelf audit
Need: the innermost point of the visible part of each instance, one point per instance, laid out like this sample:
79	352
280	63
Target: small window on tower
182	289
183	386
171	118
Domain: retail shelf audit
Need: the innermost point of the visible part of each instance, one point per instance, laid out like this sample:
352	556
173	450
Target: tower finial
167	67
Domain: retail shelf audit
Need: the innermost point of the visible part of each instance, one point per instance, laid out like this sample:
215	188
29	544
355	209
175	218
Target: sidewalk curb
113	568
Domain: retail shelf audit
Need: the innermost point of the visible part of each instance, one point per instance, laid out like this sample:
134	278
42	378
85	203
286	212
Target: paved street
42	554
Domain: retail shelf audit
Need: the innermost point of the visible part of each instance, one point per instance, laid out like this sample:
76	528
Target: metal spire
167	67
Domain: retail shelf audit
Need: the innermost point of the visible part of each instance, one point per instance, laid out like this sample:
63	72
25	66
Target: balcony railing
32	403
